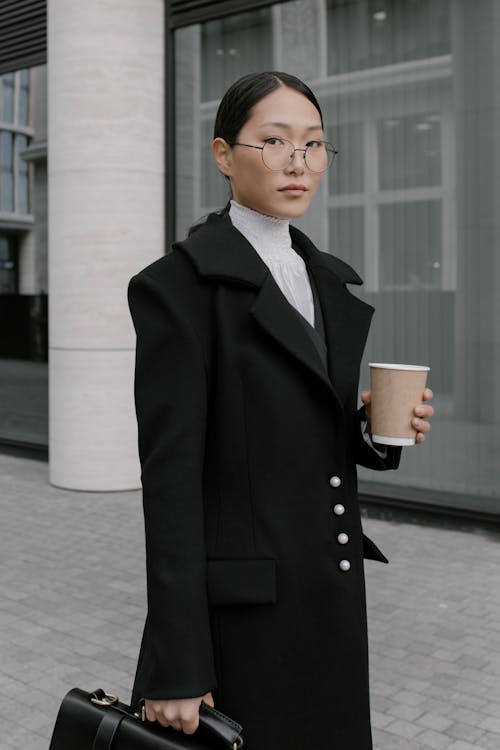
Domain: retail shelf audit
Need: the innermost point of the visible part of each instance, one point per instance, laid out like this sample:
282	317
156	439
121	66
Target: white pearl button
342	538
344	565
338	509
335	481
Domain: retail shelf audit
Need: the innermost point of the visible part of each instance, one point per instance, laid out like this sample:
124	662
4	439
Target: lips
293	186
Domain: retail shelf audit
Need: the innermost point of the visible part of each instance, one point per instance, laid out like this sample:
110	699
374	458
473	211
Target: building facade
411	99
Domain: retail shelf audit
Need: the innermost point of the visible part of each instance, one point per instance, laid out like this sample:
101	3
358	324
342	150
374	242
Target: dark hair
235	107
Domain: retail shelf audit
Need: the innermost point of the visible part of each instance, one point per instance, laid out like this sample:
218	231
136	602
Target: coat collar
219	250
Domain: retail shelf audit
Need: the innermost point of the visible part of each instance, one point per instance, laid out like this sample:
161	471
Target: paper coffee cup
395	391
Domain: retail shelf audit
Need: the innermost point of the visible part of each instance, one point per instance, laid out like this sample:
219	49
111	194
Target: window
24	97
410	201
23	258
392	167
366	34
15	137
410	238
8	269
7	102
409	151
231	46
7	171
22	175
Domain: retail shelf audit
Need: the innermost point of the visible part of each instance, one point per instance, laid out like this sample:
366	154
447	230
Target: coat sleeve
170	389
366	455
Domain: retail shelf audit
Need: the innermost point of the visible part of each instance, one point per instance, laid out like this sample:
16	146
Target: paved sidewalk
72	605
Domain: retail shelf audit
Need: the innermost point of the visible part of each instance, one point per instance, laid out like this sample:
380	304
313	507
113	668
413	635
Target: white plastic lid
386	440
387	366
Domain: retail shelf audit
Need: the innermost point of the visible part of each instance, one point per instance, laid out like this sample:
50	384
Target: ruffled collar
269	235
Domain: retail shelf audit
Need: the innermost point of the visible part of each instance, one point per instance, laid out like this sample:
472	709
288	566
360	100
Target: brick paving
72	605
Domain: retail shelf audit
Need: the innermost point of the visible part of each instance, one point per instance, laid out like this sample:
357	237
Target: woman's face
283	113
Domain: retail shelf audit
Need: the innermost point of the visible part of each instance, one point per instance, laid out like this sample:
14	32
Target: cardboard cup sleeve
396	390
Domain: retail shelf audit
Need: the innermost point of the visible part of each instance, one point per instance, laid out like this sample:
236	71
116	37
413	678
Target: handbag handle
227	730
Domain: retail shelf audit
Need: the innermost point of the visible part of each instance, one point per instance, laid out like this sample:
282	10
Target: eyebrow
287	127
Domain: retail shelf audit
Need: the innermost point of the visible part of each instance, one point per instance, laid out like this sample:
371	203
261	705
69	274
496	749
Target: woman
248	354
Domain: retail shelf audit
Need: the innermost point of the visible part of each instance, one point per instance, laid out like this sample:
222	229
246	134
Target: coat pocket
241	581
371	551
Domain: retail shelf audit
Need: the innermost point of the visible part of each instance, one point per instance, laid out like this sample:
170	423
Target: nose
297	164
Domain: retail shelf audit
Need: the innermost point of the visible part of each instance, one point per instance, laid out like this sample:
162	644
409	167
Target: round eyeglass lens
319	156
278	153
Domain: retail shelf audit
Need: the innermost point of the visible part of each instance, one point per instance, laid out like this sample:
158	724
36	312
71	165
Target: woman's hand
179	714
421	411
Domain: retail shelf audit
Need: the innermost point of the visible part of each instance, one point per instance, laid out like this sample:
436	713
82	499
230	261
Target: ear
223	156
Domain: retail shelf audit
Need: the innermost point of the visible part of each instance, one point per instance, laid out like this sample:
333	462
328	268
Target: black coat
246	420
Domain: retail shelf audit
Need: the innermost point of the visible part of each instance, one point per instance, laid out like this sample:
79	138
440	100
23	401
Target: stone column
106	221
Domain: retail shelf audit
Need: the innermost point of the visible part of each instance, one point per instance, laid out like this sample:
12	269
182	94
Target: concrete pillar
106	221
476	92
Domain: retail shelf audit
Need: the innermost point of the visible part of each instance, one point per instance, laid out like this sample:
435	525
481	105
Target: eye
274	141
315	144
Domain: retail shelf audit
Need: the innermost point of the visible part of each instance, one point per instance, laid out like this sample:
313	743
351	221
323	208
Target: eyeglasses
278	153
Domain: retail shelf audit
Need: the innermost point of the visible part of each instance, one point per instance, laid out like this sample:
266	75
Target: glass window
14	170
410	242
23	115
7	266
365	34
232	47
347	174
23	258
347	235
409	150
6	171
7	104
22	183
408	202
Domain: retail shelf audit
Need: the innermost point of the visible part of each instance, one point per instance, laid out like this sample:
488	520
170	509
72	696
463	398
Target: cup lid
392	366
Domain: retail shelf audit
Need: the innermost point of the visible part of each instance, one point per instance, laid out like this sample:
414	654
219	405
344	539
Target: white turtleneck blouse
270	237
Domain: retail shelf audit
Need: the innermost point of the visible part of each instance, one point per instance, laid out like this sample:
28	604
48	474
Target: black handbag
98	721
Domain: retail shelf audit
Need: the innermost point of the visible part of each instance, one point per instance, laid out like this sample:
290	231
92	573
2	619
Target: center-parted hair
235	108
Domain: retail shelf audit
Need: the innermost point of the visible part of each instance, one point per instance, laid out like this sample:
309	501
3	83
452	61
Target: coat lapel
346	318
219	250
